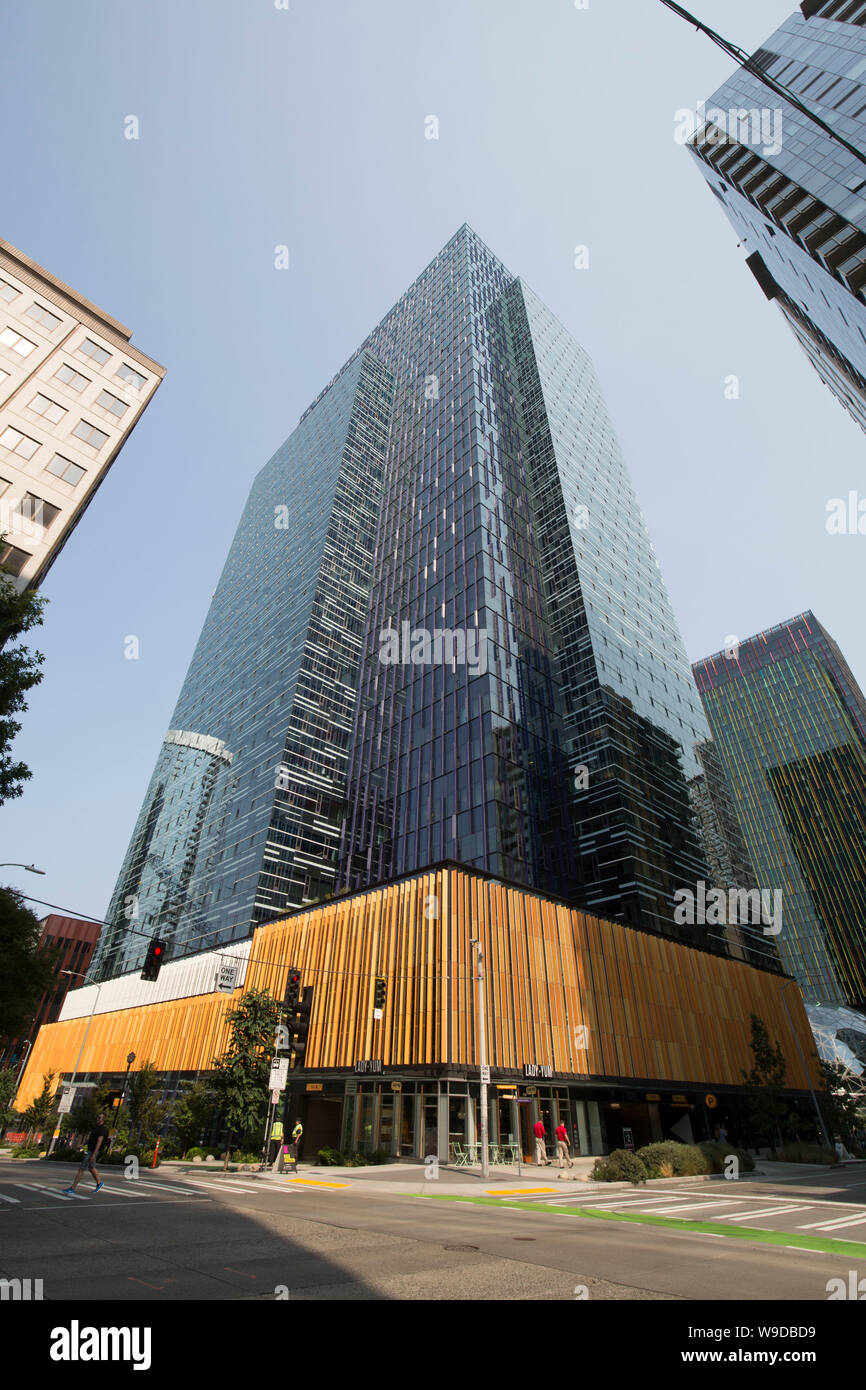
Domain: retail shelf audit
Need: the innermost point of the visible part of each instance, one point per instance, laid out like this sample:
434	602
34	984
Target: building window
90	434
12	340
7	291
43	317
18	443
94	351
37	512
112	403
13	559
65	469
129	374
71	378
50	410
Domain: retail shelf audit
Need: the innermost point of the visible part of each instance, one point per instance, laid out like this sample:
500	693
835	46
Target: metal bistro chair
460	1155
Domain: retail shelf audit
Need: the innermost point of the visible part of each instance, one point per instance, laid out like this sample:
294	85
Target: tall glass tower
796	196
789	724
441	634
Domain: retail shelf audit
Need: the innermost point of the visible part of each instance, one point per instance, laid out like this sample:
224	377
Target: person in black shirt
98	1136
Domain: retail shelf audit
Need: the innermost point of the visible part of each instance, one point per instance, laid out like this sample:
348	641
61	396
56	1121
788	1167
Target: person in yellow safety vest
276	1140
297	1134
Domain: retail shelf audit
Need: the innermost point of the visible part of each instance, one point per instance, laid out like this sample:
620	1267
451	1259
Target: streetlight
84	1039
31	868
482	1059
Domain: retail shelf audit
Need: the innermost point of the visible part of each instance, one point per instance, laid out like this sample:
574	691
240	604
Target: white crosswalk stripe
751	1215
4	1198
836	1223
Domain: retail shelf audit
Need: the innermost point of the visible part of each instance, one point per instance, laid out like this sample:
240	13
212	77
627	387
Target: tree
764	1084
19	672
145	1112
41	1111
28	968
193	1107
841	1099
243	1070
8	1087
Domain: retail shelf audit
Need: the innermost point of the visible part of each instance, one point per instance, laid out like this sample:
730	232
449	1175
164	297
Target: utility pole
482	1059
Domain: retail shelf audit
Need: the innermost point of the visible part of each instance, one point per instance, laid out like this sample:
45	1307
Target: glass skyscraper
796	196
789	724
441	634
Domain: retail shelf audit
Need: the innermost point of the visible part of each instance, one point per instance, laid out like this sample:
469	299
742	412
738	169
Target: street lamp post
482	1059
84	1039
31	868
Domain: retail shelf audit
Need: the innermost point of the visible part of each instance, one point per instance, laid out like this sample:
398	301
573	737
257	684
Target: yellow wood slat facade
588	997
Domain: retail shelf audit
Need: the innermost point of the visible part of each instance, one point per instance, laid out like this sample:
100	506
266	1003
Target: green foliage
839	1100
620	1166
331	1158
197	1152
805	1153
8	1087
146	1114
41	1113
672	1159
243	1070
19	672
26	1150
718	1154
65	1155
193	1108
28	969
766	1109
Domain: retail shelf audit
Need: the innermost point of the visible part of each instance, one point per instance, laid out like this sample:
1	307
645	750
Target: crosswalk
36	1194
803	1214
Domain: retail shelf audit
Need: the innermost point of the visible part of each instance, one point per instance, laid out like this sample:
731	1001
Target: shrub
620	1166
718	1154
357	1161
379	1157
331	1158
805	1153
26	1151
66	1155
660	1160
674	1160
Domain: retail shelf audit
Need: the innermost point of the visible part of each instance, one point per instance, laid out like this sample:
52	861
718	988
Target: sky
304	127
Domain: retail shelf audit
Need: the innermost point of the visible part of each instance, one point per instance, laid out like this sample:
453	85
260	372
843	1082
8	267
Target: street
173	1236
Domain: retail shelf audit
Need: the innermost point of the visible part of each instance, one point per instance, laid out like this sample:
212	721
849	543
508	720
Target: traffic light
293	990
154	959
379	992
299	1027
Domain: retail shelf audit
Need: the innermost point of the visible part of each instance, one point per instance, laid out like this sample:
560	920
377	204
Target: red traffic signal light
154	958
293	989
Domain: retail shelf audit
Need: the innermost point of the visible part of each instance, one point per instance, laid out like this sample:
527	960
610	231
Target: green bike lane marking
821	1244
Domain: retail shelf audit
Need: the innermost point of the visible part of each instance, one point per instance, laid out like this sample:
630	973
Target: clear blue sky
305	127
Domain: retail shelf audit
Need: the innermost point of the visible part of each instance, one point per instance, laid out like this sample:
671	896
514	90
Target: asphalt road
170	1237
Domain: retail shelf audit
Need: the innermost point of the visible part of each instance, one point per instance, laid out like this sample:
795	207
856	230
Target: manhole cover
460	1247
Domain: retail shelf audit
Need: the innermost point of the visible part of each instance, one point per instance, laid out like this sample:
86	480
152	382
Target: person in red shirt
540	1149
562	1146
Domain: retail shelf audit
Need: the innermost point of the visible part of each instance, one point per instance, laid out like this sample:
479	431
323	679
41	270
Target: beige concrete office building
72	388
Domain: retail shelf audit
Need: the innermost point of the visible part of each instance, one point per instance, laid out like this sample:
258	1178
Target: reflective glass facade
441	635
796	197
789	724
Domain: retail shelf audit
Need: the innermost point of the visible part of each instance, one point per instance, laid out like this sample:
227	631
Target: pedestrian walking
98	1136
540	1147
563	1151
